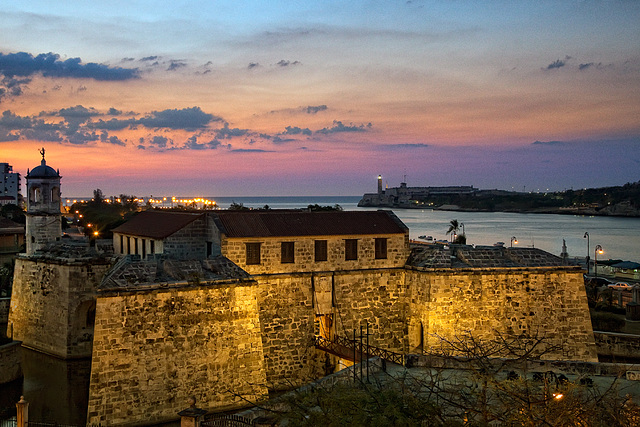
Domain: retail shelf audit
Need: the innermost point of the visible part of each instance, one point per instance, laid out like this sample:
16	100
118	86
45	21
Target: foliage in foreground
473	388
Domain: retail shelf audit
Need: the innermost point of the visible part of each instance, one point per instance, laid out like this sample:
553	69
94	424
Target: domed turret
43	206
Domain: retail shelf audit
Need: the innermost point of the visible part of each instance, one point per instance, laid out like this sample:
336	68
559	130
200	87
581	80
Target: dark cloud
113	124
77	112
17	69
278	140
556	64
12	86
82	138
286	63
253	65
313	110
186	118
193	144
295	130
113	112
6	136
24	64
585	66
250	150
226	132
176	64
160	141
11	121
104	137
406	146
128	59
547	143
338	126
149	58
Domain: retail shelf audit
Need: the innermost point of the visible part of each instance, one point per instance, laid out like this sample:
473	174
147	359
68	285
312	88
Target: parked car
620	286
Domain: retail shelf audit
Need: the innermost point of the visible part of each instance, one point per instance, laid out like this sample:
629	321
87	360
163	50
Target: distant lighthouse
379	184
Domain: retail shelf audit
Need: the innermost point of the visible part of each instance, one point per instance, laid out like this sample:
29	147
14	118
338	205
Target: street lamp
586	236
597	251
514	240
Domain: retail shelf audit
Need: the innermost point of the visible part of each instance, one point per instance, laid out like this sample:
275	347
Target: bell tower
43	206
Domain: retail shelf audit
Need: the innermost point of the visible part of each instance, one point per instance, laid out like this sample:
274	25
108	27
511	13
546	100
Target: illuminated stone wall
52	305
291	307
544	302
152	350
304	260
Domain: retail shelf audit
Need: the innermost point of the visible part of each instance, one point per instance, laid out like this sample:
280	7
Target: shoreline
549	211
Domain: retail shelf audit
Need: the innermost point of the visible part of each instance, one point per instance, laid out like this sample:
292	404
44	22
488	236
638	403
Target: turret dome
43	171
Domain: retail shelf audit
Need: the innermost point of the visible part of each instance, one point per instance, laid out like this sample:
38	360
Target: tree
469	382
454	228
238	207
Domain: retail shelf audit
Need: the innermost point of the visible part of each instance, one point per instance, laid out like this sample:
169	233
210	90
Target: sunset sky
239	98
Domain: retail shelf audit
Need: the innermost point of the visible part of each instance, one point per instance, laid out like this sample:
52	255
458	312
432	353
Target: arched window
55	194
34	194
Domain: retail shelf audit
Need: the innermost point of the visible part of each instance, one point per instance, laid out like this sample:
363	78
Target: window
320	250
381	248
253	253
152	249
287	250
135	245
144	248
128	245
350	249
121	244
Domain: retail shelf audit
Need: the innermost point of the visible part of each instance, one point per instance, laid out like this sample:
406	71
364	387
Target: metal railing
351	349
227	421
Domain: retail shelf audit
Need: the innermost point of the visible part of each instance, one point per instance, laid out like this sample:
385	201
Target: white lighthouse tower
43	206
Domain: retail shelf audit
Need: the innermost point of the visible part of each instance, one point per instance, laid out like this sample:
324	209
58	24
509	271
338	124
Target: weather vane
42	152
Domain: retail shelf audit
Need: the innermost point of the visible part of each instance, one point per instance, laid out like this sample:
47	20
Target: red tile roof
157	224
303	223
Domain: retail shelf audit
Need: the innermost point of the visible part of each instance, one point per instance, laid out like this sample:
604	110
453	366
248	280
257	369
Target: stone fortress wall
53	305
152	350
158	347
549	303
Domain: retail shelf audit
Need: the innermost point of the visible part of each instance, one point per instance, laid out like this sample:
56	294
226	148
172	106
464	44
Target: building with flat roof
9	185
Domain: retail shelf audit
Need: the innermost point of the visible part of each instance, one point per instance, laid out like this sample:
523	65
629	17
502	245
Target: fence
227	421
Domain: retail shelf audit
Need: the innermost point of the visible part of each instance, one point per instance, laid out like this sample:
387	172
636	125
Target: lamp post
514	240
586	236
597	251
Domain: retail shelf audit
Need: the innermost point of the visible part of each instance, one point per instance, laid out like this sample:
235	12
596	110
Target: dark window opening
152	249
253	253
320	250
144	248
209	249
351	249
135	244
121	244
90	320
287	252
381	248
128	245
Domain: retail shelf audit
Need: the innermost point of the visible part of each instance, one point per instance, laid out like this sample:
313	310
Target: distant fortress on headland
404	197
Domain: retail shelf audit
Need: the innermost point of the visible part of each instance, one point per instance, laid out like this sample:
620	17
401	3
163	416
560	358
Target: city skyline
243	99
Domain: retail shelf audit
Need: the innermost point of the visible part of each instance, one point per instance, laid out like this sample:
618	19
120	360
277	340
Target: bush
607	322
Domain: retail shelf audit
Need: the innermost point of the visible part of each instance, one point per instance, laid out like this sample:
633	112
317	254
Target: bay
618	236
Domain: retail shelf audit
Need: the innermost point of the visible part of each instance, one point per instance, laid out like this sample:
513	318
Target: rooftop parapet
466	256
